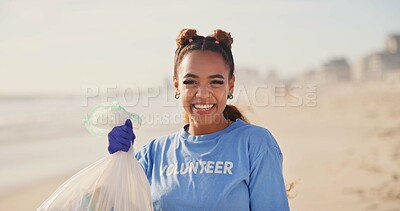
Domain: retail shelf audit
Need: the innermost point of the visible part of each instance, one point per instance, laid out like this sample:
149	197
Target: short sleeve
143	157
266	184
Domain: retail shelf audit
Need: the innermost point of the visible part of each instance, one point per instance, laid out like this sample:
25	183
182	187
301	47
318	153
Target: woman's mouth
203	108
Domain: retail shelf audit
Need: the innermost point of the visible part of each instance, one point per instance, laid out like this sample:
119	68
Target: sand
342	154
30	197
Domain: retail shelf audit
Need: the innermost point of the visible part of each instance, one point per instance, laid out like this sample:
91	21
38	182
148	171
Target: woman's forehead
203	64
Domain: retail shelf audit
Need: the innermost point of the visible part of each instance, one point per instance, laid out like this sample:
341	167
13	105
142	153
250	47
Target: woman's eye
189	82
217	82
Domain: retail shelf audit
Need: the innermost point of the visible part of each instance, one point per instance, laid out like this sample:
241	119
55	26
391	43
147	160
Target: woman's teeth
203	106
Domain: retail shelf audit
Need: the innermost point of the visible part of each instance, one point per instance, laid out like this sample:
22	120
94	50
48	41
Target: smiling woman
204	75
204	85
218	160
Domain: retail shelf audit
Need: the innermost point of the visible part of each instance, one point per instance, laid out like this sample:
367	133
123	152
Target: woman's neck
199	128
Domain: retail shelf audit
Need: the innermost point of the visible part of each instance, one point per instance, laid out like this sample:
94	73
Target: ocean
44	137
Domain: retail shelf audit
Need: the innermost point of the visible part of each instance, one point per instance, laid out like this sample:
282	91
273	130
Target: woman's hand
121	137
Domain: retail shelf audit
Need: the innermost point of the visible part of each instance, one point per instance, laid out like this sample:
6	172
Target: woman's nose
203	92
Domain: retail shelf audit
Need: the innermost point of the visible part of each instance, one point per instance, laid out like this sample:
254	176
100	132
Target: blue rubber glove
121	137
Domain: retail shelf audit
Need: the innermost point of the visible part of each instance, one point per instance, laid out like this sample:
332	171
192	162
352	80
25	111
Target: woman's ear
231	84
176	83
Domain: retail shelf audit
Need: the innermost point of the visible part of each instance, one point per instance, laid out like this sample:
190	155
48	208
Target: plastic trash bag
114	183
103	118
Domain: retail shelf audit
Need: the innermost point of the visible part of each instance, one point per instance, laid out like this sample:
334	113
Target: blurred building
247	76
271	76
335	70
383	65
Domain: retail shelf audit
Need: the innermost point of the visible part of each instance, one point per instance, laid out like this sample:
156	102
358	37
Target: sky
60	46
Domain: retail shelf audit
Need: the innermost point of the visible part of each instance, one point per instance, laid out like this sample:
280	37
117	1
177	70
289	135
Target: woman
217	161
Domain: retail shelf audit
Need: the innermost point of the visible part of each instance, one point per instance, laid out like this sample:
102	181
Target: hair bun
184	36
223	37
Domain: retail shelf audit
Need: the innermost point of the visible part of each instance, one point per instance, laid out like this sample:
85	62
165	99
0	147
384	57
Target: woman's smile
203	108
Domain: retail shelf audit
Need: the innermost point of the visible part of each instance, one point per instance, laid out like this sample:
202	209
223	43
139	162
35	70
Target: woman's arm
266	184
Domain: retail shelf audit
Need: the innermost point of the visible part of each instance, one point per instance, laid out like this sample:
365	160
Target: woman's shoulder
255	136
248	130
162	140
156	144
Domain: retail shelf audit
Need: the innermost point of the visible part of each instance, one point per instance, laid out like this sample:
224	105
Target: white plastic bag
104	117
114	183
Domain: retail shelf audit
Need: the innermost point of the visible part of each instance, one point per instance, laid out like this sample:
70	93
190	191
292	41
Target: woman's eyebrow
191	75
216	76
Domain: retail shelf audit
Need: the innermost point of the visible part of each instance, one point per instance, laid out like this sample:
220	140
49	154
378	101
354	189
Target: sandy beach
343	153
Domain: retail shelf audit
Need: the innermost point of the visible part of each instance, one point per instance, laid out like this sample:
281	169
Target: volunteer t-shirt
237	168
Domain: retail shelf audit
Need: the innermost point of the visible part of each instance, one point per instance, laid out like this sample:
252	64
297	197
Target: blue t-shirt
237	168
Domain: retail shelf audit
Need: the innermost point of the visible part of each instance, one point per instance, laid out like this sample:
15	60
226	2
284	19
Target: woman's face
204	85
